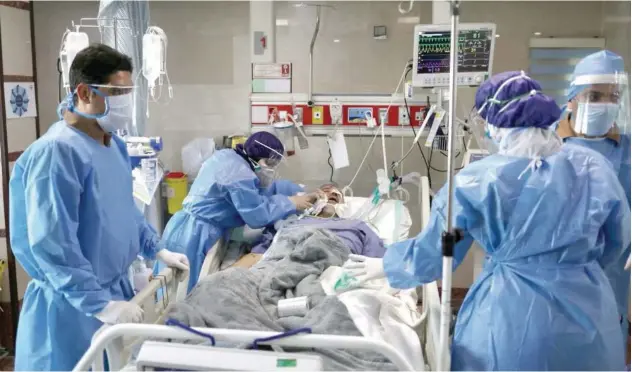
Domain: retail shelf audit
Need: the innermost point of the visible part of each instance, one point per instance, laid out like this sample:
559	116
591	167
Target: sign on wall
271	78
19	100
271	70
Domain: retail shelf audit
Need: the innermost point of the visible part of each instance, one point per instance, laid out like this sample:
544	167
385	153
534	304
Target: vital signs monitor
432	54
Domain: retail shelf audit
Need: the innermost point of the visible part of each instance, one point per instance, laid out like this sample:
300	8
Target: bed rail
163	290
214	257
169	285
106	340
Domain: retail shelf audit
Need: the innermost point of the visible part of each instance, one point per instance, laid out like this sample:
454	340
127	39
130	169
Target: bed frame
169	287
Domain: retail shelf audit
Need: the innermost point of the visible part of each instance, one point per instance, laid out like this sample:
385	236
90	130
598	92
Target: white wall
210	68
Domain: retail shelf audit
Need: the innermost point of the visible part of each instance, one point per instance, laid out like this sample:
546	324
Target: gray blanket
239	298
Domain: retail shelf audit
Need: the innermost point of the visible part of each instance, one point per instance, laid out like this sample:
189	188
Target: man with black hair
74	225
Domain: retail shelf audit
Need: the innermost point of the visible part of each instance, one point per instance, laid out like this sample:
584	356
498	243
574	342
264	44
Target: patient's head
334	196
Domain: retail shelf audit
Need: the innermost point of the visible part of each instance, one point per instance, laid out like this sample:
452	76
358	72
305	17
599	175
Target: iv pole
450	236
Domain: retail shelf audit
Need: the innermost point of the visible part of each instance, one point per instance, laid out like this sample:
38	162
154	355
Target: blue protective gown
619	156
542	301
76	230
224	195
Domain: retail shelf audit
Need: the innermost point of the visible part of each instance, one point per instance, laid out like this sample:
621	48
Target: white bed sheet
390	220
382	313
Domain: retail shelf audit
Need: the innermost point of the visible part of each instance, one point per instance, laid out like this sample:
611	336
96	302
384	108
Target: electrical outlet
317	115
419	116
403	116
298	112
383	117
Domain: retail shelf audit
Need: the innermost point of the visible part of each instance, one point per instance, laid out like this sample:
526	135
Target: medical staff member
547	217
598	118
74	225
234	187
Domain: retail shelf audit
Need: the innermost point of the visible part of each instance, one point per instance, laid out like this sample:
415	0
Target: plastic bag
195	153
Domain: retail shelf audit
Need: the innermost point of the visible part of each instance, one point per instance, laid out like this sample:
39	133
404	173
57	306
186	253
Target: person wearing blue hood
598	118
548	217
234	187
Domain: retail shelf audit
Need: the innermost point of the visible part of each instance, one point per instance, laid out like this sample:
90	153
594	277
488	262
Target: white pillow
390	219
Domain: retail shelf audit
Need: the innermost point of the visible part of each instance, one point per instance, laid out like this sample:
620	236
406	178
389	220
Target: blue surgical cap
255	149
513	100
601	63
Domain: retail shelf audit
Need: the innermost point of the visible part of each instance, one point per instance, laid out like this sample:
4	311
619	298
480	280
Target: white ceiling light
409	20
281	22
537	33
497	35
336	40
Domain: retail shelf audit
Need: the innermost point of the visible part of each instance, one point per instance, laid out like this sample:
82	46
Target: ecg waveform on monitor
434	52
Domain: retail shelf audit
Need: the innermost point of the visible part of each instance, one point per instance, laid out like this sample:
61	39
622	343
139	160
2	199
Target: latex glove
364	268
301	202
116	312
173	259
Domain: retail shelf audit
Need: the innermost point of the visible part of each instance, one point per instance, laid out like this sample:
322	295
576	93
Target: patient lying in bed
355	234
242	298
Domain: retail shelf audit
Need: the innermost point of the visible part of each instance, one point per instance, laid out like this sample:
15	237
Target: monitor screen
474	55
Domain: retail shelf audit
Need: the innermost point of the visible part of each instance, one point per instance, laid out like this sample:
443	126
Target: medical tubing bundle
426	162
366	155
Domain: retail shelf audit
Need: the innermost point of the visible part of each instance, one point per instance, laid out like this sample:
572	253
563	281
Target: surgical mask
595	119
118	114
265	175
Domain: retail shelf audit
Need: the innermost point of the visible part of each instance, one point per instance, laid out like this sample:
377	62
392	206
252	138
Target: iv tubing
366	155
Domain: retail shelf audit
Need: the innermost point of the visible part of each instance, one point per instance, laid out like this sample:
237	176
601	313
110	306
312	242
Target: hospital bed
164	290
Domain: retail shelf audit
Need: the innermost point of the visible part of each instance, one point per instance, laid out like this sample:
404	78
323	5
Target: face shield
506	94
266	169
482	132
602	105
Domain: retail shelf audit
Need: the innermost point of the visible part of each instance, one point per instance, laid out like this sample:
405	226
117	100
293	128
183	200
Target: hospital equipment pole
451	236
310	101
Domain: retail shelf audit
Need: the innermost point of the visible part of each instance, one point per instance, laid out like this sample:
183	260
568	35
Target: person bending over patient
234	187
